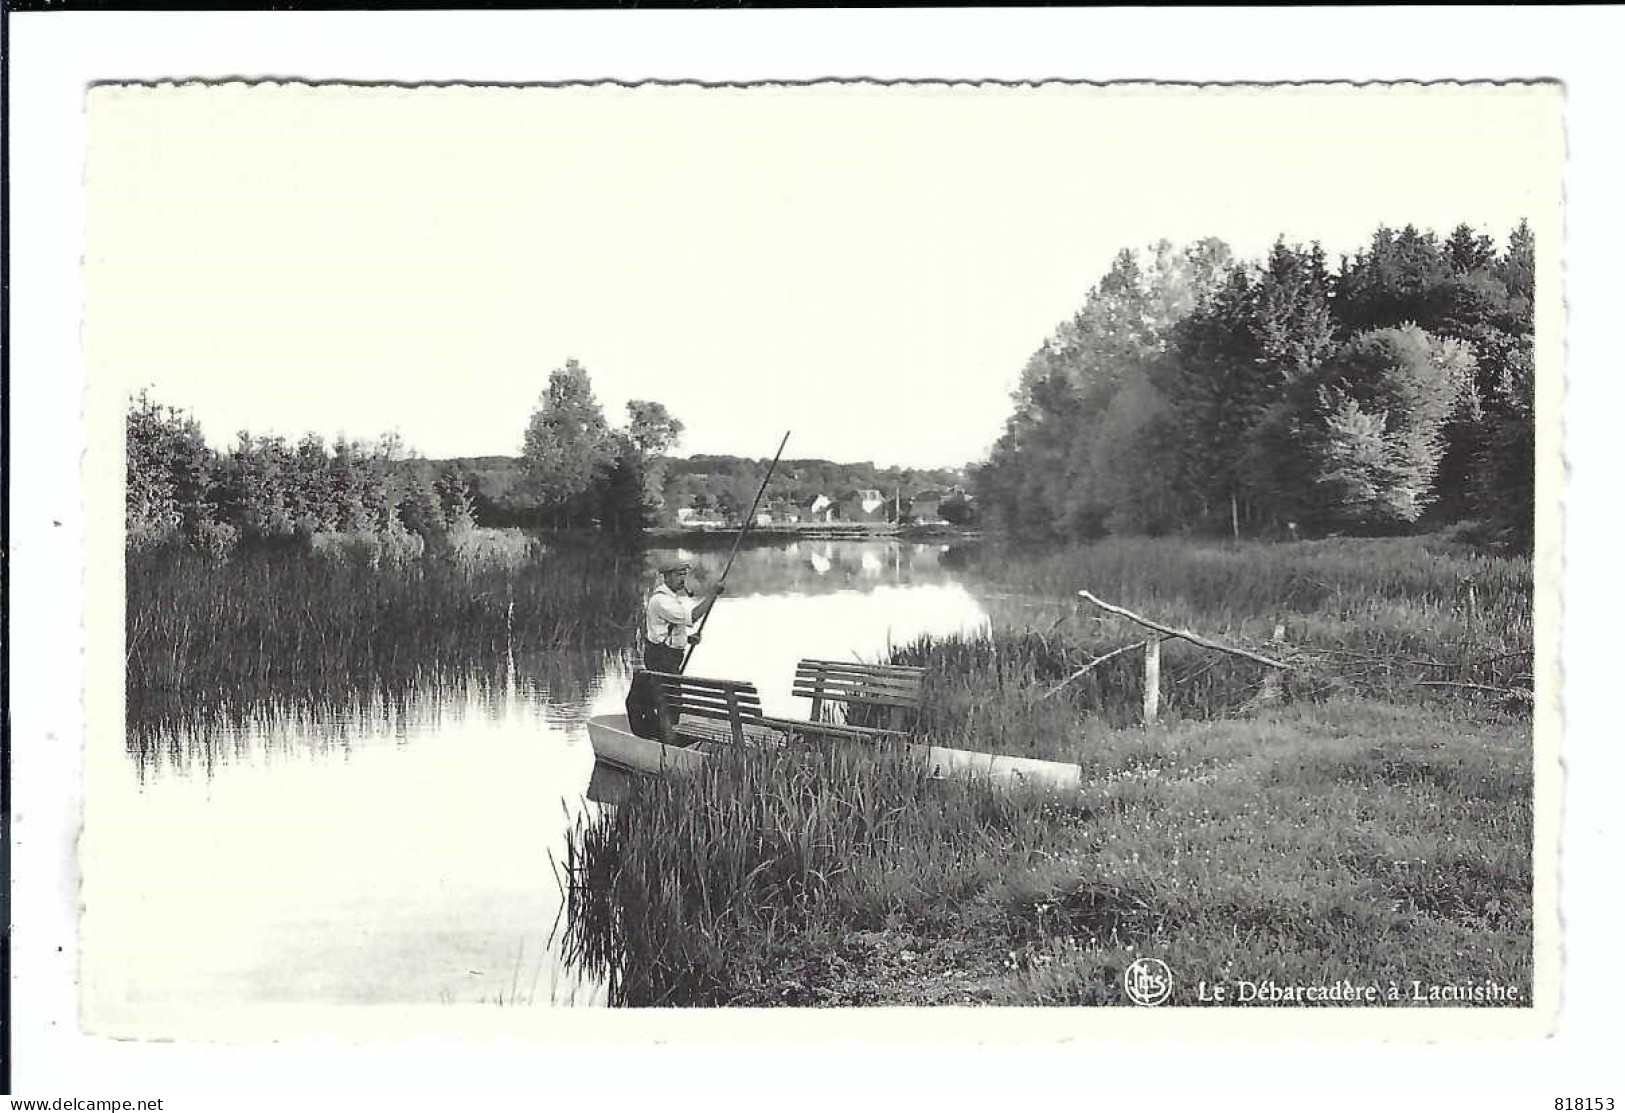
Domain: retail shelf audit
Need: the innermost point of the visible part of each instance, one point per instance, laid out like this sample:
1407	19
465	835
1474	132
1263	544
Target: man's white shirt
668	617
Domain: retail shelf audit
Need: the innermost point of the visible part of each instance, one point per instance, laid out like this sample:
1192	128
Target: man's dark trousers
661	658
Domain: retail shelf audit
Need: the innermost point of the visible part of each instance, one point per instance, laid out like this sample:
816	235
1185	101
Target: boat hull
1007	771
614	743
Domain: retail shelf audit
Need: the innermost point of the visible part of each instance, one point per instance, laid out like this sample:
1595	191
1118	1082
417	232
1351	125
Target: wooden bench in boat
703	709
897	690
699	714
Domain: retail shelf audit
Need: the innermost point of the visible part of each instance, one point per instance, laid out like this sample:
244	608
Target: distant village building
863	506
819	509
688	516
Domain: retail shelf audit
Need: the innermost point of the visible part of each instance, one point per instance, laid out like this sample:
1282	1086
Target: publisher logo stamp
1148	981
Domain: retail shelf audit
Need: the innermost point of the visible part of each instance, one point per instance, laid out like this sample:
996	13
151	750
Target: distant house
926	508
688	516
819	508
863	506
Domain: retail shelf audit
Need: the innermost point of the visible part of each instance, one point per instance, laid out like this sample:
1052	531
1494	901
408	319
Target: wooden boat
999	768
614	743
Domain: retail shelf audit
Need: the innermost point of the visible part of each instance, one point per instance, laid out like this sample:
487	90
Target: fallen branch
1101	660
1172	632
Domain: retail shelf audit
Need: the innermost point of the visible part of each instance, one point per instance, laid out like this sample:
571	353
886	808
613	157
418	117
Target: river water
400	854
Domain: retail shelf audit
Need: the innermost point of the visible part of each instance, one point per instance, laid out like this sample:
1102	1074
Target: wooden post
1271	692
1153	678
1470	639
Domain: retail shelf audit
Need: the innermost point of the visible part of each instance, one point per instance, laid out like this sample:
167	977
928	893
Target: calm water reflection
400	853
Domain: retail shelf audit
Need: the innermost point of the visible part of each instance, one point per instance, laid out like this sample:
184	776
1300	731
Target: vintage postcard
584	560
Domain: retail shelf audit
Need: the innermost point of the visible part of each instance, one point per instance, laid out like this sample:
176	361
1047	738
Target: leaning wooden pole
750	516
1175	632
1153	654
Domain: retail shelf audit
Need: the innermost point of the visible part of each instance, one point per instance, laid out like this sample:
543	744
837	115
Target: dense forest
1194	392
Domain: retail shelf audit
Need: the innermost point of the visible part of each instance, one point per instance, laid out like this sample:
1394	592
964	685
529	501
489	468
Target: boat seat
705	709
691	729
895	691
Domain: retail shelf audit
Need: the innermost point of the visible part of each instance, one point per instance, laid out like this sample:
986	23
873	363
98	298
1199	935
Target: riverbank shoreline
840	531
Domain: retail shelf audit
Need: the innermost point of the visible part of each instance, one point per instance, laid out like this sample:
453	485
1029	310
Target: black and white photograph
587	563
820	546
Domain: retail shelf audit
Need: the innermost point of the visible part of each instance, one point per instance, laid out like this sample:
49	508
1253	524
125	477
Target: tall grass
1404	620
290	631
1384	595
684	892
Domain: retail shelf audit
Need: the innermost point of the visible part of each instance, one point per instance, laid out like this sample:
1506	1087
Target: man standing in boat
668	617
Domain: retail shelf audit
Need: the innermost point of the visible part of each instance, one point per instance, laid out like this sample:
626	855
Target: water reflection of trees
539	687
221	654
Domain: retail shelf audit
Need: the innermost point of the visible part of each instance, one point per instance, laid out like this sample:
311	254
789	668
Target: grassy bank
1411	620
1363	827
305	631
1428	597
1348	840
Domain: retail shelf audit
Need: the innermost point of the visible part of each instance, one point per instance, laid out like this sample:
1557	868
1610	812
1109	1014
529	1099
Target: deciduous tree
567	447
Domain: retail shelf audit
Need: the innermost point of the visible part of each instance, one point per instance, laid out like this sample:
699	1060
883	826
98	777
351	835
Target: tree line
575	471
1195	392
720	483
179	490
727	484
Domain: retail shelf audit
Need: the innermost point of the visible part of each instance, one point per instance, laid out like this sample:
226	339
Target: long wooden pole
750	517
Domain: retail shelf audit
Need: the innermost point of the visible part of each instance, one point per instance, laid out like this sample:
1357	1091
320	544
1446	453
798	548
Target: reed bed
288	631
1243	586
683	892
280	726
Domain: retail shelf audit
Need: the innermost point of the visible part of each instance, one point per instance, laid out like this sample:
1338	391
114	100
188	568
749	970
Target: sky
866	266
